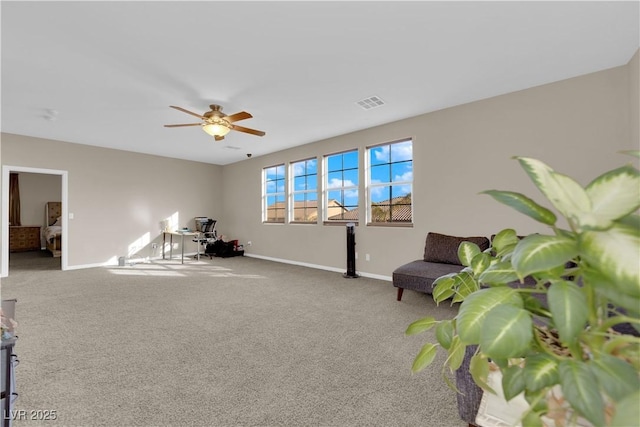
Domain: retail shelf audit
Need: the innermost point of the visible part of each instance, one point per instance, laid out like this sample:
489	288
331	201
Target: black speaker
351	251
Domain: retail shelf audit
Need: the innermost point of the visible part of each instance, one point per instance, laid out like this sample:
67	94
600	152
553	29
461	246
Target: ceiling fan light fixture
216	123
216	129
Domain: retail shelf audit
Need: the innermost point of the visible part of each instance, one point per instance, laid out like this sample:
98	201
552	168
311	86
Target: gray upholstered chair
440	258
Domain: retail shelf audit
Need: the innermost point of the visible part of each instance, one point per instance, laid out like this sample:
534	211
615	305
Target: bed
53	231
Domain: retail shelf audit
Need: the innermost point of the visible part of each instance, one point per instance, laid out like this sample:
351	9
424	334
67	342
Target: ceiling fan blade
247	130
218	138
184	124
186	111
242	115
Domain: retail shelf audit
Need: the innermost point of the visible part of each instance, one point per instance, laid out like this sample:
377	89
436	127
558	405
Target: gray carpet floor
222	342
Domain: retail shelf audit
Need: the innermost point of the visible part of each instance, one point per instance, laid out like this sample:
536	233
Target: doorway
63	197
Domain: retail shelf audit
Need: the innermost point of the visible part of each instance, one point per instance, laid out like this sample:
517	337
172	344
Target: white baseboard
112	263
319	267
83	266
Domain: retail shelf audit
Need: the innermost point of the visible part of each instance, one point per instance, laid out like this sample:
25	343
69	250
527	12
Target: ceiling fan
218	124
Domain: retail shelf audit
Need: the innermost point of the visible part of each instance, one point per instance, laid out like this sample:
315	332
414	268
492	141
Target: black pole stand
351	252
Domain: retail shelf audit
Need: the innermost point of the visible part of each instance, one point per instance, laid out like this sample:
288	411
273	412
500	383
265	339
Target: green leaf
475	308
424	358
513	382
501	363
540	371
569	309
619	346
421	325
581	389
617	377
443	288
456	353
631	220
448	381
445	278
466	285
537	253
524	205
627	411
562	191
444	333
504	239
578	207
616	254
479	370
499	273
553	274
537	400
533	304
506	332
608	290
466	252
613	195
480	263
532	419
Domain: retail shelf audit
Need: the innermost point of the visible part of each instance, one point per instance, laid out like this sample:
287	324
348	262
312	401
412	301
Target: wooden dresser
24	238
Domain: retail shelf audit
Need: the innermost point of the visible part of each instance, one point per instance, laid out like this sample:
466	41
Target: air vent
371	102
231	147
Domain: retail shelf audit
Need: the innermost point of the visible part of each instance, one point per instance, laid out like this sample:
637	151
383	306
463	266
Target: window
341	187
274	202
390	184
304	191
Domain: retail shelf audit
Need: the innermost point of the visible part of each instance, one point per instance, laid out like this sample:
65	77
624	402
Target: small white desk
195	234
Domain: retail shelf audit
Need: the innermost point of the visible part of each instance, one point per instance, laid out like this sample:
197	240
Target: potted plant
547	310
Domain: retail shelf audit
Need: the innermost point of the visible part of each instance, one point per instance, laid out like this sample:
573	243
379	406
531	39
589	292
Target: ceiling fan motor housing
216	115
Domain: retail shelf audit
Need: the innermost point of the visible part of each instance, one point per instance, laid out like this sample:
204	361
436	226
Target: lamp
216	128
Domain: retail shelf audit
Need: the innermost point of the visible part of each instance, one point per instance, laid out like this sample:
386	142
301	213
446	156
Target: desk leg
164	240
198	247
182	247
170	246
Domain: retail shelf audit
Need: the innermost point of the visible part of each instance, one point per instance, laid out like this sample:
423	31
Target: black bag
213	248
220	249
225	250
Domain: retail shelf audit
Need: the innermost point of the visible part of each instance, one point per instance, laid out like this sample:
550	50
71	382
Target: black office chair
208	233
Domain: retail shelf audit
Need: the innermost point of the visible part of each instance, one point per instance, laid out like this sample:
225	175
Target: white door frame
6	170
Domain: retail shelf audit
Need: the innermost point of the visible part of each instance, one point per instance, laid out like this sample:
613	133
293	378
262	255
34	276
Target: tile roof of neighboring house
401	211
351	215
277	209
311	205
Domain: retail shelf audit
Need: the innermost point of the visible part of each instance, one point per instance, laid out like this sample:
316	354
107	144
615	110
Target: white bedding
52	231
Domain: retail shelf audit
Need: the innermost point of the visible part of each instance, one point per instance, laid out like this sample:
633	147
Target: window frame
342	188
266	194
370	186
293	192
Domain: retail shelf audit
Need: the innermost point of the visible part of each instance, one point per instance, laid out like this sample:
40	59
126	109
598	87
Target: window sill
340	223
390	224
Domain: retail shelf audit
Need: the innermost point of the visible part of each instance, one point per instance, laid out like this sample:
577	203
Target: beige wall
577	126
634	98
118	198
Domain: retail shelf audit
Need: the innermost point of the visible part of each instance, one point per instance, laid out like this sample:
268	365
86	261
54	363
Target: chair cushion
419	275
444	249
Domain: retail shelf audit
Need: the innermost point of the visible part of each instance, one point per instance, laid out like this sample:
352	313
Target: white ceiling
110	70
